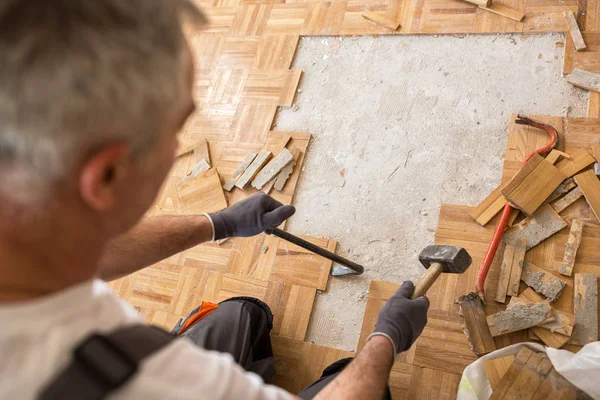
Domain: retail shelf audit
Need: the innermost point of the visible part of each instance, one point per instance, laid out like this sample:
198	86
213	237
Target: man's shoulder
183	370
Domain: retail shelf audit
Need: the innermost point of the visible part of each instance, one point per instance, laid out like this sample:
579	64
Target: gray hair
78	74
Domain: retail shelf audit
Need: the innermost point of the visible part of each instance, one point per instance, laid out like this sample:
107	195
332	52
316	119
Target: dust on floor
402	125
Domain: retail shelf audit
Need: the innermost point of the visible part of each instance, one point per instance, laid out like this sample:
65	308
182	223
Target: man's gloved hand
250	217
401	319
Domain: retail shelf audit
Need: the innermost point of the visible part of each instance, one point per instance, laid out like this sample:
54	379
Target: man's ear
101	175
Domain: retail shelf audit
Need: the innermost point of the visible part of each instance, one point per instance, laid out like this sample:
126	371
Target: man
92	94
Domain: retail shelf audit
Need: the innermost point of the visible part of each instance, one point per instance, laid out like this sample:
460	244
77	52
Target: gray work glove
250	217
401	319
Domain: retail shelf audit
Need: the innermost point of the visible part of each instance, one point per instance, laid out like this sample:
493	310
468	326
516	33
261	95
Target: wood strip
510	13
518	316
533	190
525	171
512	373
482	3
489	207
505	273
381	20
574	31
476	328
556	387
239	170
590	186
517	268
261	159
273	168
567	185
584	79
201	152
496	369
530	378
544	223
285	173
563	321
561	204
579	160
542	281
586	309
552	339
571	247
554	155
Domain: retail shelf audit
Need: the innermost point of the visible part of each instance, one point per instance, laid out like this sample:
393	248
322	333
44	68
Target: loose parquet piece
578	161
201	152
542	281
273	168
505	272
550	338
562	189
202	193
516	269
476	327
523	173
554	386
571	247
495	369
489	207
586	309
261	159
590	186
561	204
544	223
574	31
524	376
528	191
518	316
381	20
584	79
285	173
239	170
563	321
554	155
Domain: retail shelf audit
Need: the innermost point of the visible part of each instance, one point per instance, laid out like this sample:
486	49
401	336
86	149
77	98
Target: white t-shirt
37	339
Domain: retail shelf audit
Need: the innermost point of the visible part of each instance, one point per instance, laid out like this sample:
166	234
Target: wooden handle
428	279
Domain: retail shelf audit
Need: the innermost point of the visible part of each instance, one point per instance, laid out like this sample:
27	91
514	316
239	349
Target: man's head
92	94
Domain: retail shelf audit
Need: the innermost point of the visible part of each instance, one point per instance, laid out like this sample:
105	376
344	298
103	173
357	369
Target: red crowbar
508	209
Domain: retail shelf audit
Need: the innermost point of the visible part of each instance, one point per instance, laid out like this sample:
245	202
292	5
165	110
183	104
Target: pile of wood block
543	187
528	375
263	171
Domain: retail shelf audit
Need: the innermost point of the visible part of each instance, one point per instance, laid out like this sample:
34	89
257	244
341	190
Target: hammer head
455	260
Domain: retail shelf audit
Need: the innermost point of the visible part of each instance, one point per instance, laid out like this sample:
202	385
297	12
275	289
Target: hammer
438	259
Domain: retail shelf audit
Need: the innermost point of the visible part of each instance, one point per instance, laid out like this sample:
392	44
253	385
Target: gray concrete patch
401	125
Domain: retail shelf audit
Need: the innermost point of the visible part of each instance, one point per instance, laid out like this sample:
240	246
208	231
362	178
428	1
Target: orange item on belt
205	309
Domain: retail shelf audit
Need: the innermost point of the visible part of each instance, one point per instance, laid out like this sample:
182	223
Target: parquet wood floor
242	65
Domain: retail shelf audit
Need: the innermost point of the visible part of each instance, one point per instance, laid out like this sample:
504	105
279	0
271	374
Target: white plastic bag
581	369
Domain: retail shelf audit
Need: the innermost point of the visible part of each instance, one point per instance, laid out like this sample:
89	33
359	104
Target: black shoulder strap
103	363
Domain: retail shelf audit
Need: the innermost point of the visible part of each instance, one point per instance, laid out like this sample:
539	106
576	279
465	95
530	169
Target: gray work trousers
241	327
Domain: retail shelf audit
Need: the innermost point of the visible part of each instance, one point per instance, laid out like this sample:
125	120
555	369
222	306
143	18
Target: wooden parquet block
201	194
291	306
298	364
251	19
271	87
252	122
276	52
293	264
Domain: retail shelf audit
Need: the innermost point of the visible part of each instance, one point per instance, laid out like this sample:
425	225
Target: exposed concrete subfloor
401	125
